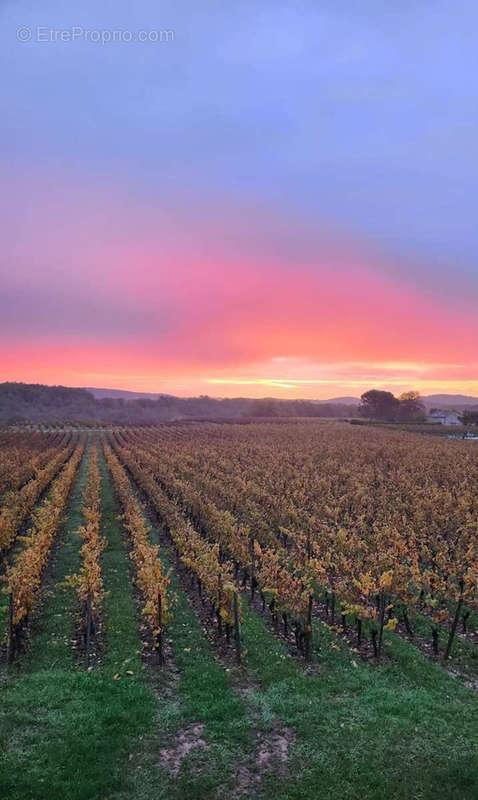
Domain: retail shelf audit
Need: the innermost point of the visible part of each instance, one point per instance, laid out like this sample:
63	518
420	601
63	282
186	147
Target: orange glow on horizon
337	380
160	304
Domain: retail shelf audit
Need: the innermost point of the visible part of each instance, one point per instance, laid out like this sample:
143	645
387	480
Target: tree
265	408
376	404
469	418
411	406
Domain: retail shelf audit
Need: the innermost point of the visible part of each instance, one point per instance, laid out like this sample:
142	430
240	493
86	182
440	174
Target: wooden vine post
382	603
359	631
454	625
219	603
11	630
406	622
159	638
308	633
435	639
332	607
237	627
253	565
88	630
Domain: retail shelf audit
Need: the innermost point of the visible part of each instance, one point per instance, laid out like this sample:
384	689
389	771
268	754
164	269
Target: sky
240	199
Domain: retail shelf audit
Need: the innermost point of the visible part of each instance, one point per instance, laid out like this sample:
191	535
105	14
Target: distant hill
38	403
129	395
431	400
452	401
343	401
124	393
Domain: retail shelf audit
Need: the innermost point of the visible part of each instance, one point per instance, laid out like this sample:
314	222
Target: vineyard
277	609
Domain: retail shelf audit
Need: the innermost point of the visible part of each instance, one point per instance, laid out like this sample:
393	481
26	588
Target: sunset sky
277	199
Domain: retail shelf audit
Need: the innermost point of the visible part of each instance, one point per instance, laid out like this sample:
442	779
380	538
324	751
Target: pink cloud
101	287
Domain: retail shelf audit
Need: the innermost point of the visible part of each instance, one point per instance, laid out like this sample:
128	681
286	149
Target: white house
444	417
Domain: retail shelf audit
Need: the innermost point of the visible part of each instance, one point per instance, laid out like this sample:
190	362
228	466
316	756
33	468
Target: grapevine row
202	559
151	579
23	579
89	582
18	505
21	454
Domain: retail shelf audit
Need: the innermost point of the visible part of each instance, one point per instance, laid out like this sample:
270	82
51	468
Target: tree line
408	407
21	402
381	405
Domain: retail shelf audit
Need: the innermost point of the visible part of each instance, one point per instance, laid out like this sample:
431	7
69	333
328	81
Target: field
265	610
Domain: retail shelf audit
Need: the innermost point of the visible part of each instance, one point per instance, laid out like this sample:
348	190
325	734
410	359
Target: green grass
404	730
